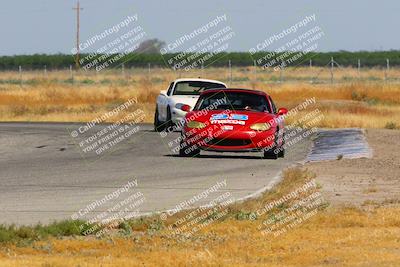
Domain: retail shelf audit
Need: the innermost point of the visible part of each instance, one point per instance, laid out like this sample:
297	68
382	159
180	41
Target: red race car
234	120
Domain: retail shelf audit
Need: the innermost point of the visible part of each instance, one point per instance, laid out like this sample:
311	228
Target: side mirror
282	111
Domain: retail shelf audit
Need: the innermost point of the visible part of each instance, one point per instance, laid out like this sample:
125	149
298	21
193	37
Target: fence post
331	70
148	70
45	70
358	68
123	69
310	63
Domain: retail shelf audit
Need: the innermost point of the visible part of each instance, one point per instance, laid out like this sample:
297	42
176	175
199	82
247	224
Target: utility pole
78	9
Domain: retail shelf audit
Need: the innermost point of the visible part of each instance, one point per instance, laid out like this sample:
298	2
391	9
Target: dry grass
370	190
54	98
333	237
54	102
342	238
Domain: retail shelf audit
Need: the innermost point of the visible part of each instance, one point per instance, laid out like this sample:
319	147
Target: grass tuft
390	125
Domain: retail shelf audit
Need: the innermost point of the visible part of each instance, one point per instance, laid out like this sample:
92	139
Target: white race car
180	98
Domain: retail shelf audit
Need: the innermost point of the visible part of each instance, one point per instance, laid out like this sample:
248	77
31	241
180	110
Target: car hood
185	99
240	117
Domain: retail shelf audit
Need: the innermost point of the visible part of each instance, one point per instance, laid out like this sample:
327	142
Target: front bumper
229	141
178	116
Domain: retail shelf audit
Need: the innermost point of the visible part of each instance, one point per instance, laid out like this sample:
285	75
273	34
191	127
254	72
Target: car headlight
195	125
260	126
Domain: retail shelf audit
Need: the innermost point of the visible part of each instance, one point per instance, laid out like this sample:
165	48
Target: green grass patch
18	234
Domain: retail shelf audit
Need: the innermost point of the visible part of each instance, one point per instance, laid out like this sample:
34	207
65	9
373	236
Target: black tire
186	151
270	153
158	126
168	123
281	153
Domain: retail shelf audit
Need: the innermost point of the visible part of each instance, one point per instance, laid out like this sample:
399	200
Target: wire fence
331	73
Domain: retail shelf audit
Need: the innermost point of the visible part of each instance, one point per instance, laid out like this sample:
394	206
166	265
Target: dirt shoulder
364	181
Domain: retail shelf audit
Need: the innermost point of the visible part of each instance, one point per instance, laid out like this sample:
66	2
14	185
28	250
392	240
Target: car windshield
233	101
194	87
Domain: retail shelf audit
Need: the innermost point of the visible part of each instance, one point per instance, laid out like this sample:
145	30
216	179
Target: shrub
390	125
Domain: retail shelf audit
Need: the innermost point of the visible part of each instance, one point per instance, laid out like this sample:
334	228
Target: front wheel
168	125
188	151
281	153
157	123
271	152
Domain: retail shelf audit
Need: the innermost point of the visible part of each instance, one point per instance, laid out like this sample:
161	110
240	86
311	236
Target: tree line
344	58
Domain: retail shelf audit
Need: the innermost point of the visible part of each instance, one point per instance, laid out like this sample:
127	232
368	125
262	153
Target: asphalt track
45	175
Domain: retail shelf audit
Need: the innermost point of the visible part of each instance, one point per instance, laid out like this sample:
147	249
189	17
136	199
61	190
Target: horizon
324	52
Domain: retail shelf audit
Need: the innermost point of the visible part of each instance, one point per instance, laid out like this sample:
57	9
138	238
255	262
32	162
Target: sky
48	26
